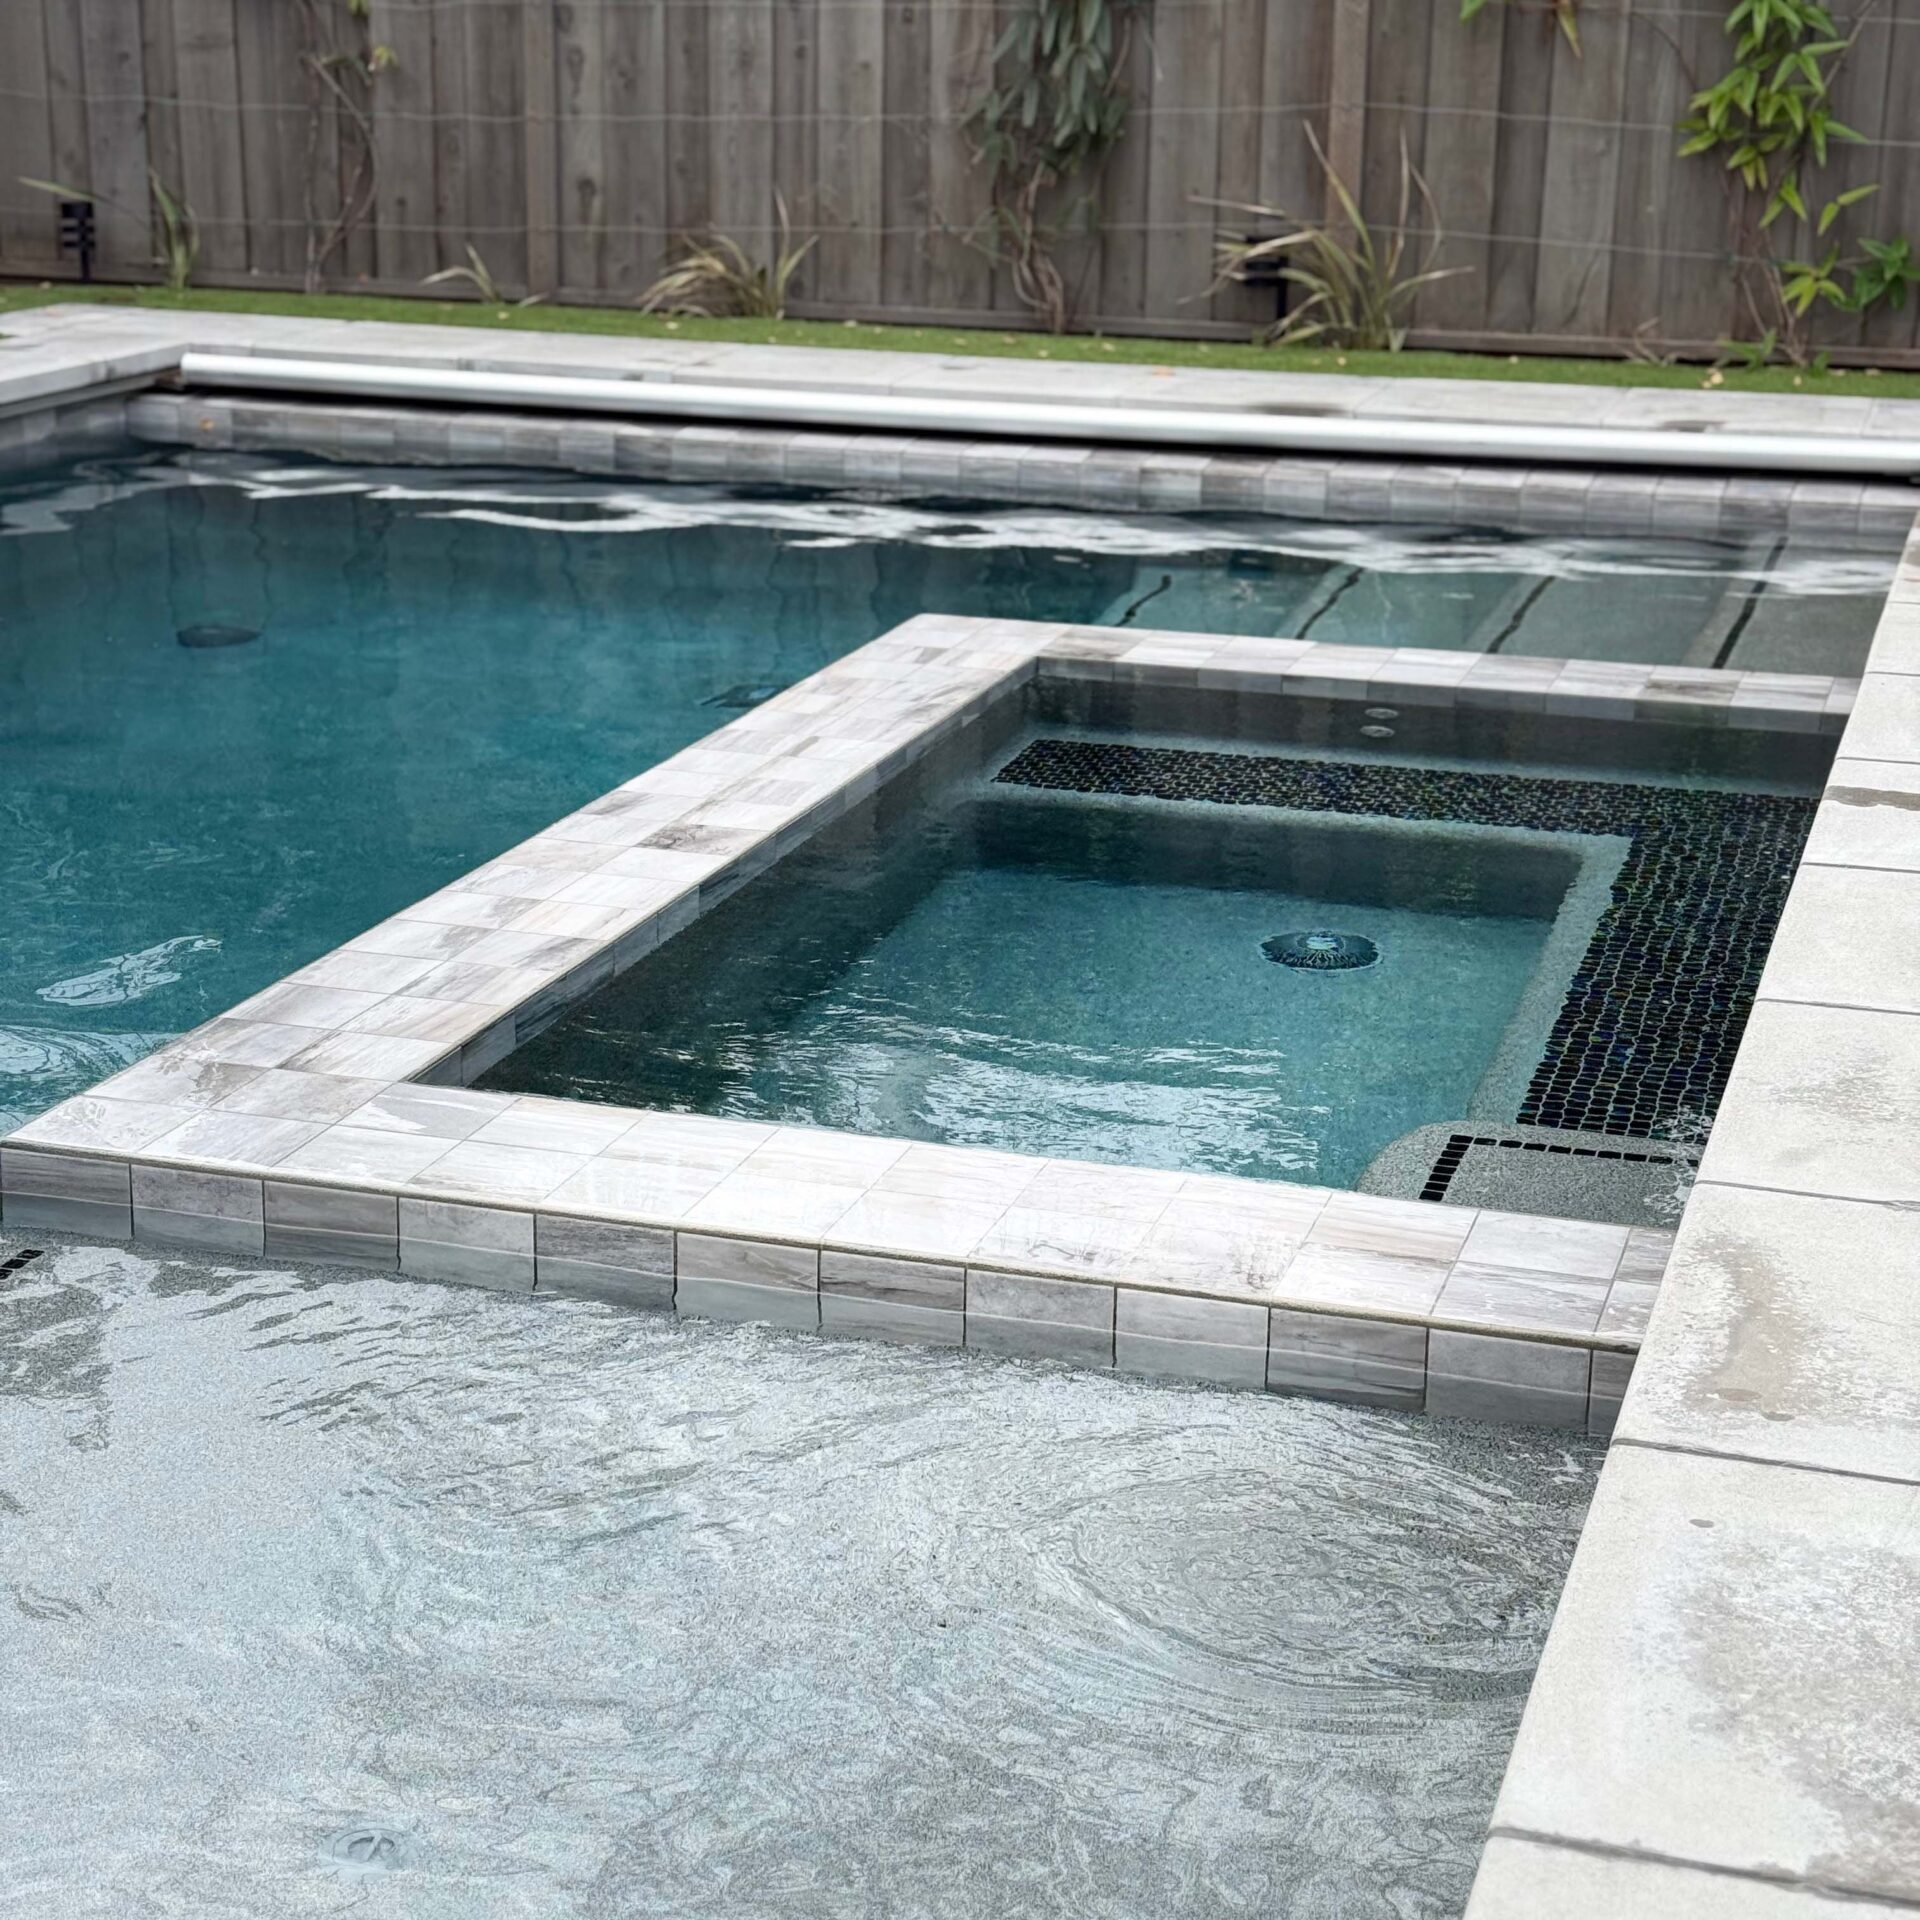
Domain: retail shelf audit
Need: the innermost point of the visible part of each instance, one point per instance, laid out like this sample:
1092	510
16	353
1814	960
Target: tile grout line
1764	1460
1603	1850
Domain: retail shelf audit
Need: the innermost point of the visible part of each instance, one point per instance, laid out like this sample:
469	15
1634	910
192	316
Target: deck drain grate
1447	1162
1316	950
15	1261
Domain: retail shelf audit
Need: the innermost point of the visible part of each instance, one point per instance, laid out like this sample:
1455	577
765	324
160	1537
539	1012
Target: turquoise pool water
1055	975
448	661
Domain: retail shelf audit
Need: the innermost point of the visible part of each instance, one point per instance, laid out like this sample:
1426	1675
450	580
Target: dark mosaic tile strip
1647	1032
1447	1162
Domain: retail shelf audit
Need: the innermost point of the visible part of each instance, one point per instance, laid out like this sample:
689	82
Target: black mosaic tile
1647	1032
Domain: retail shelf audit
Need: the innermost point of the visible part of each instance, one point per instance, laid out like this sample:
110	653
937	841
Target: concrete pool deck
1727	1717
81	378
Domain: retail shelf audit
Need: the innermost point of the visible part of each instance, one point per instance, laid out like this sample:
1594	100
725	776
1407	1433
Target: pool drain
215	635
15	1261
369	1849
1318	951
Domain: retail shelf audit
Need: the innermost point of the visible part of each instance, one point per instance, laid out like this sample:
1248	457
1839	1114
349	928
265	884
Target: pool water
599	1613
446	662
1057	975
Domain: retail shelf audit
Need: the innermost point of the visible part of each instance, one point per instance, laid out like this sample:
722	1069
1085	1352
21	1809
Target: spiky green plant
714	277
479	276
179	250
1356	279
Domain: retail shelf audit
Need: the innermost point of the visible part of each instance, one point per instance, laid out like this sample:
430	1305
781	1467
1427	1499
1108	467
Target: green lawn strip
615	321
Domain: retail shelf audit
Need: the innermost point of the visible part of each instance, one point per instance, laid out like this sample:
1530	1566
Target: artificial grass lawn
1018	346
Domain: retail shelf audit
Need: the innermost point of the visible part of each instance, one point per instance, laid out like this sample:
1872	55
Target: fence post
542	151
1347	105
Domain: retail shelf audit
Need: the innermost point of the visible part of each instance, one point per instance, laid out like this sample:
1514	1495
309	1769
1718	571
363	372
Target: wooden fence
568	141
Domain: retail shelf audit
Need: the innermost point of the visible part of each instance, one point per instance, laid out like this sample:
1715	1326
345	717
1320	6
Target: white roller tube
1213	430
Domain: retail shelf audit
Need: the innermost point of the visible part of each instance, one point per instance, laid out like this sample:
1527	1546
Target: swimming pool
444	662
593	1612
1062	939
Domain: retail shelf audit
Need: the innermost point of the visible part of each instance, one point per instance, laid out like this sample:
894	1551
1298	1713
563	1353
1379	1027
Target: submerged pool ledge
330	1116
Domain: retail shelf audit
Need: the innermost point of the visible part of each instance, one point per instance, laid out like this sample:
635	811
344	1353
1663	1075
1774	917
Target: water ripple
609	1615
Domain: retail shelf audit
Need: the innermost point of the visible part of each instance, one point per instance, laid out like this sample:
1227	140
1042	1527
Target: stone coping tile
1822	1100
444	987
1776	1331
1732	1679
1849	936
1869	816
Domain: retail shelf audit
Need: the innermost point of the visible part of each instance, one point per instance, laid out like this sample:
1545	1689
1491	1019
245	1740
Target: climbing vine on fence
1051	113
1769	119
341	65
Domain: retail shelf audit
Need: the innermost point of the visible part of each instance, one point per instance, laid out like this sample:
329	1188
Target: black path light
76	232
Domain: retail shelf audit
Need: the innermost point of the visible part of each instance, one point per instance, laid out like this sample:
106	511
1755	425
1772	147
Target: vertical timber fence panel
570	142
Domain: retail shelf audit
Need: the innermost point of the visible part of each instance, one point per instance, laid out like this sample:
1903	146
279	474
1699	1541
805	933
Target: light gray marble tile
892	1299
1376	1363
331	1225
369	1056
244	1138
702	1298
64	1193
1408	1229
893	1282
758	1263
559	1126
906	1224
1026	1317
283	1093
1344	1277
475	1246
447	1021
91	1121
1645	1260
248	1043
348	1152
1220	1341
1850	936
499	1174
1629	1307
1606	1388
1581	1248
1886	719
1497	1297
178	1079
432	1113
602	1260
292	1005
1483	1376
217	1211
